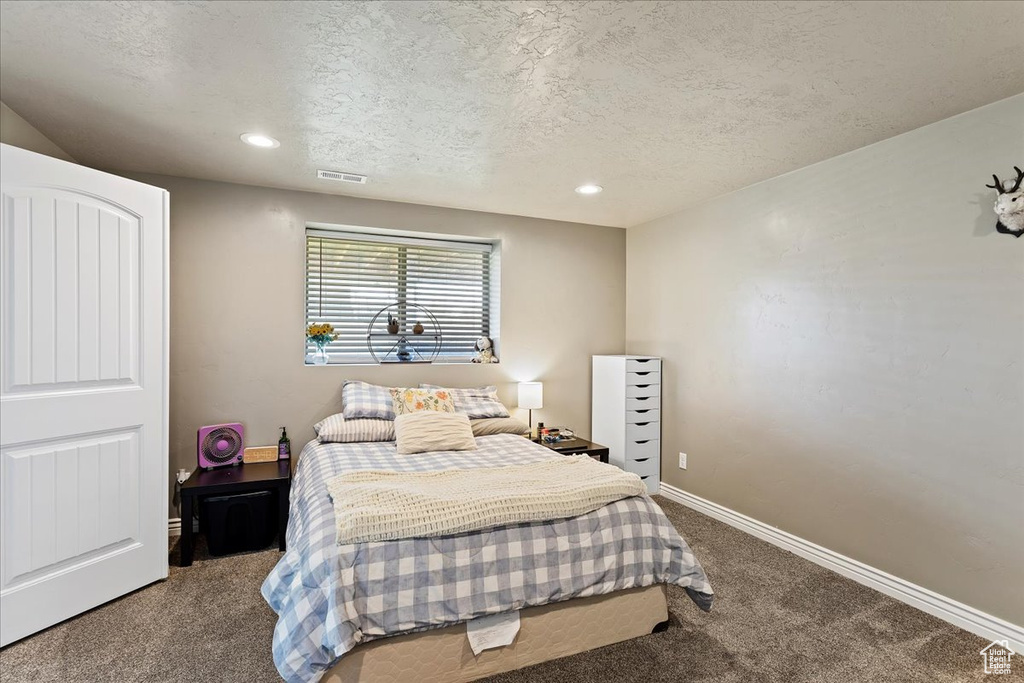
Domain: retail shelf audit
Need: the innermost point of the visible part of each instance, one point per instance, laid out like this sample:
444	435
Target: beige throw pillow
488	426
430	430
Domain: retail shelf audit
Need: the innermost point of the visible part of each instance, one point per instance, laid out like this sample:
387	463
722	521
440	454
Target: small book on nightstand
578	446
567	445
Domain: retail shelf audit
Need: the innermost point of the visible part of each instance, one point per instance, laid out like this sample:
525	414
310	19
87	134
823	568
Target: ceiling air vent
341	177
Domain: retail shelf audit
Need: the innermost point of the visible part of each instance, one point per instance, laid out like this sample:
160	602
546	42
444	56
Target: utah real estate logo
997	657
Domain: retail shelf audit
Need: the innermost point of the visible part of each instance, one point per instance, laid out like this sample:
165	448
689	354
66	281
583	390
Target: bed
357	611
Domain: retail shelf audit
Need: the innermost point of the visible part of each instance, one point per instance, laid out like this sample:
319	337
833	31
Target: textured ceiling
501	107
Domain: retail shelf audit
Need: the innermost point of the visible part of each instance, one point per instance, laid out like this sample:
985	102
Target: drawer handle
641	459
642	424
642	360
645	410
647	477
643	398
644	441
643	373
642	386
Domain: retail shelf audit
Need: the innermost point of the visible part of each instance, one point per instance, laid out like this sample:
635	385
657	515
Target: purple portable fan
220	445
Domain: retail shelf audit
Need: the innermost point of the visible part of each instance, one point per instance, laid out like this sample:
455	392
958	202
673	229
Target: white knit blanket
386	505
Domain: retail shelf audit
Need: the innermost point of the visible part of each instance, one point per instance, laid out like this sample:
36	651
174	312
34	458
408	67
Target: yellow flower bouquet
321	334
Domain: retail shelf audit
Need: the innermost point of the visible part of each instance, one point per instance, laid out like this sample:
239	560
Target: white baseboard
947	609
174	526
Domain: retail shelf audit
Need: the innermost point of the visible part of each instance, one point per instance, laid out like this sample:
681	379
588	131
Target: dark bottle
284	446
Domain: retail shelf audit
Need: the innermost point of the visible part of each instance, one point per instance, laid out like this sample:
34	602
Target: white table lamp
531	395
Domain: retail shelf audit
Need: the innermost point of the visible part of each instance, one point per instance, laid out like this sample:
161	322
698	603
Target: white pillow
336	429
431	430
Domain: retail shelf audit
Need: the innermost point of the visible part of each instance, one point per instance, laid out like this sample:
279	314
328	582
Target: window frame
462	243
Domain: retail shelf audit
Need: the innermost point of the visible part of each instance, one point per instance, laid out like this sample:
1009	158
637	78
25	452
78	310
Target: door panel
78	498
75	291
83	389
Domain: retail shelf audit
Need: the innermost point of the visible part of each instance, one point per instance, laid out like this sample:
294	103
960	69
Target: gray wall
237	316
843	352
18	132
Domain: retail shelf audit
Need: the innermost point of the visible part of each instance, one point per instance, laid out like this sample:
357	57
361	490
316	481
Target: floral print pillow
416	400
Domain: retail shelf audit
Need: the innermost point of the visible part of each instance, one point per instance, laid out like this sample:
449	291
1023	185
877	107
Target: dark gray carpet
776	618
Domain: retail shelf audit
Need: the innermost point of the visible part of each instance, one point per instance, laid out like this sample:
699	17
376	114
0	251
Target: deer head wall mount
1009	204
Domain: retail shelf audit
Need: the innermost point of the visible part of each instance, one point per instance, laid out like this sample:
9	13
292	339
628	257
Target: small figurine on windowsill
484	351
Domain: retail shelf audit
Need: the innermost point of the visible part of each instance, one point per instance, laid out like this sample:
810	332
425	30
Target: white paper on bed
497	630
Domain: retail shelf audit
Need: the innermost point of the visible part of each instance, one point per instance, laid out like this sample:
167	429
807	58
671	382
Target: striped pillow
487	426
336	429
476	402
426	431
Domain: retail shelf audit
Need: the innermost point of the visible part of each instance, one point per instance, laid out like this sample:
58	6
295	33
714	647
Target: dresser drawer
646	467
643	364
635	378
639	450
646	415
652	482
643	391
643	402
643	432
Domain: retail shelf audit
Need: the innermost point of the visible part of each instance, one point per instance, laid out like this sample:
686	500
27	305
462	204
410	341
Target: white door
83	389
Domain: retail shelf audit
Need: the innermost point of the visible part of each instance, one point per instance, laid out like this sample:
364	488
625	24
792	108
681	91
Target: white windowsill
363	364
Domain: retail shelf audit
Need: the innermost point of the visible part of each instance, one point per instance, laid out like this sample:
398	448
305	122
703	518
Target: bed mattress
331	597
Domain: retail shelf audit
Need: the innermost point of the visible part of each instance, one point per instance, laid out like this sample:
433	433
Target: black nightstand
579	446
255	476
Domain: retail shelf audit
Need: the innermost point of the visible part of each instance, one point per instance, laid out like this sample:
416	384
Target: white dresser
626	413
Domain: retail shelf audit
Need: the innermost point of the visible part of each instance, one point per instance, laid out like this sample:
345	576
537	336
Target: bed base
557	630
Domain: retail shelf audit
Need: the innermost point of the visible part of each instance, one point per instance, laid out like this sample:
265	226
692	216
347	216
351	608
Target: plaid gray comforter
331	597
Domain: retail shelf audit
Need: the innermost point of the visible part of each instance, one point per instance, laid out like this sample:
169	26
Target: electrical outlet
682	461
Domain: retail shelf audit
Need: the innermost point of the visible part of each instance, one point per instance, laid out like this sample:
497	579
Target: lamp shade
531	395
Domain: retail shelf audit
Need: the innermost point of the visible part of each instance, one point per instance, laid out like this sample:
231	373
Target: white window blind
352	276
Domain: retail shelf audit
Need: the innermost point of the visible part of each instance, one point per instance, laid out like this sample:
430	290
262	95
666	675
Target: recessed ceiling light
589	189
258	140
